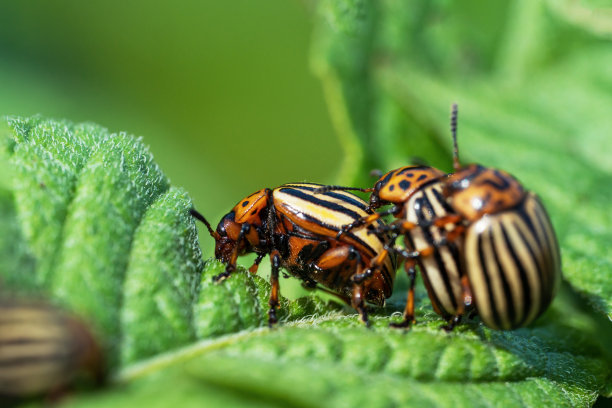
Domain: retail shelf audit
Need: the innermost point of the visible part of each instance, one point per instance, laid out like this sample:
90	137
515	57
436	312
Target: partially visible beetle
298	229
415	193
44	351
480	240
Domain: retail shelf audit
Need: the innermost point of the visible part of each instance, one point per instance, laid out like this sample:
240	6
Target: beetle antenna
326	189
453	126
201	218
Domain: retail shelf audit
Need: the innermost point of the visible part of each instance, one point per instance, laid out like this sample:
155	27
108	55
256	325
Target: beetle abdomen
325	214
513	264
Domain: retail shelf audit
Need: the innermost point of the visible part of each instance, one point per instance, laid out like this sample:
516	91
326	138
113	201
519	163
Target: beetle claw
404	324
221	277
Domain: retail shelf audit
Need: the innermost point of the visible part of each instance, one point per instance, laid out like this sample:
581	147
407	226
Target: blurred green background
221	91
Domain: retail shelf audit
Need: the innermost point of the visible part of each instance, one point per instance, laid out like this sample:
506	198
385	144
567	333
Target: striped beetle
479	237
415	193
298	229
510	250
43	351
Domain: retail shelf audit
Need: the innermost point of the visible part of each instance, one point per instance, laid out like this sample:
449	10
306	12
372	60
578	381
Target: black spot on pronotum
421	177
487	197
410	175
392	187
404	185
245	203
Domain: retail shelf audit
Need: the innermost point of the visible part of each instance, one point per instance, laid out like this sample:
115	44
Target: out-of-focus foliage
222	90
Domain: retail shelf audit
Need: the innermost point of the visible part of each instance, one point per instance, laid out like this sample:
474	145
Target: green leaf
335	361
89	220
162	279
151	293
594	17
17	266
242	303
46	158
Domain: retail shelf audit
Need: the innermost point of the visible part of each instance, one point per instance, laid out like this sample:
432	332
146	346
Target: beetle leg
467	302
451	235
358	278
255	266
399	227
442	222
341	256
358	303
364	221
409	266
467	292
358	223
375	265
450	325
404	253
231	265
335	257
273	302
224	275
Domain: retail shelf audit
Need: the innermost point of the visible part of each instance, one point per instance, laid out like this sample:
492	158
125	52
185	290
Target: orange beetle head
226	238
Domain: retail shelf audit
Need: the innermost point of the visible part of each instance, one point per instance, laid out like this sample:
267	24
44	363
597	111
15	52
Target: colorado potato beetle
298	230
510	250
43	351
480	239
415	193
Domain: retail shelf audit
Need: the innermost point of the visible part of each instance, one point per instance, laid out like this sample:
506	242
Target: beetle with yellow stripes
510	251
480	239
298	229
44	351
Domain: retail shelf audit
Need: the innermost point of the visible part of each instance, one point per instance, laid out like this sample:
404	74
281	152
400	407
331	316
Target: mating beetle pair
297	229
480	239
